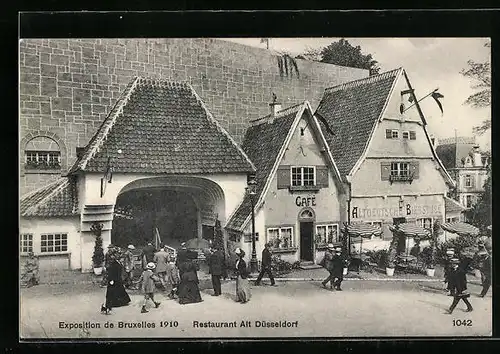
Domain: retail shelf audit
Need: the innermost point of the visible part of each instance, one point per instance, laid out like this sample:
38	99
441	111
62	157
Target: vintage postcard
254	188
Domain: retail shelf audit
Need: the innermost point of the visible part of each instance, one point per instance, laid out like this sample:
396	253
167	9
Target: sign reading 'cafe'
407	210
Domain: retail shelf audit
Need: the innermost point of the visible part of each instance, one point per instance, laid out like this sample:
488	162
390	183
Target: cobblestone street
364	308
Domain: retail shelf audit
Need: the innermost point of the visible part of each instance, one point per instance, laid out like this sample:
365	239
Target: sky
429	62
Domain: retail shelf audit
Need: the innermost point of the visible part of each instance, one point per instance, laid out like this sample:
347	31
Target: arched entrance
306	226
180	208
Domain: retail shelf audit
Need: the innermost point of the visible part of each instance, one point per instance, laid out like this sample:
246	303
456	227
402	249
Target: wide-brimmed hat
338	249
131	247
455	261
331	246
151	265
238	250
183	244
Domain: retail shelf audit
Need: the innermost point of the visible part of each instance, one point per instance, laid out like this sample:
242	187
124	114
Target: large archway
181	208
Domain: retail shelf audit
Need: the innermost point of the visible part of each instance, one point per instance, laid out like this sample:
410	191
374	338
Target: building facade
384	153
467	165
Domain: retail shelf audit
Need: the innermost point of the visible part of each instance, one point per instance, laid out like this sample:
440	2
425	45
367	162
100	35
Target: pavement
365	308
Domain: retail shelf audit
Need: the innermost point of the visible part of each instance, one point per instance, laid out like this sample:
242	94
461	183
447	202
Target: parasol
362	231
410	230
460	228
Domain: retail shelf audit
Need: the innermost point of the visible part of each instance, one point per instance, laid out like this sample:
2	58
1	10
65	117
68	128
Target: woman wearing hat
188	289
116	295
457	281
147	282
243	294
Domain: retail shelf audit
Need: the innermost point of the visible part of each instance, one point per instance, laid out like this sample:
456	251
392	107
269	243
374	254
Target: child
147	281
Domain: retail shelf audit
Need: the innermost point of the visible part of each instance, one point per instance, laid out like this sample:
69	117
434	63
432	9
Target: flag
436	95
406	92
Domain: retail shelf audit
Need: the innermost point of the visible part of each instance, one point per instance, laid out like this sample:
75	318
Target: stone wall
67	86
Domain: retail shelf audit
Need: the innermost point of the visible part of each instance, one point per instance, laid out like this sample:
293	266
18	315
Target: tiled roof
262	143
351	111
452	206
160	126
56	199
453	154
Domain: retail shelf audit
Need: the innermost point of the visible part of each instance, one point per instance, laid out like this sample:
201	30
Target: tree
344	54
480	74
480	213
218	236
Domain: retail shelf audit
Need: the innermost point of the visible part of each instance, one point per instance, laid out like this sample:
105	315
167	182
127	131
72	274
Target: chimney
477	156
79	152
275	107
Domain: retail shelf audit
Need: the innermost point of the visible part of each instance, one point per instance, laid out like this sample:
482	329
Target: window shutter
385	170
415	169
413	135
283	177
322	176
388	134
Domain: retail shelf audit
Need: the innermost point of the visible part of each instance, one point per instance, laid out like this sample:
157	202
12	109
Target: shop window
468	180
42	153
26	243
406	135
426	223
327	233
52	243
280	237
303	176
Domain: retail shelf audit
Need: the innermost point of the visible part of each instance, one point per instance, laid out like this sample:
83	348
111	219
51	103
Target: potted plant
98	255
428	259
391	257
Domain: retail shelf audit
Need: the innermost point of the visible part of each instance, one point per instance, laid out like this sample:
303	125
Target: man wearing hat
128	265
148	254
457	281
147	282
328	263
266	265
450	253
216	268
161	259
485	269
338	268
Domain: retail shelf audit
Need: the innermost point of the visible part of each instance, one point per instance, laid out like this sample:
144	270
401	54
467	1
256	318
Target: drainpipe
349	197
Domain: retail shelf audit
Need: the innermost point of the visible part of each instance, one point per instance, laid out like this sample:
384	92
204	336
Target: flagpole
420	100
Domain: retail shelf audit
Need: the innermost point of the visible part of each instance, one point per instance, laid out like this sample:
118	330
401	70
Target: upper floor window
468	180
303	176
42	153
400	169
468	201
394	134
26	243
406	135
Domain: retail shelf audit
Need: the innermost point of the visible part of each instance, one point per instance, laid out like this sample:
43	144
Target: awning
460	228
411	230
363	230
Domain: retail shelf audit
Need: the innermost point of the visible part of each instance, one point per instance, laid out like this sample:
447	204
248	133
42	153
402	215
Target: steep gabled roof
452	206
159	126
53	200
453	154
265	144
352	110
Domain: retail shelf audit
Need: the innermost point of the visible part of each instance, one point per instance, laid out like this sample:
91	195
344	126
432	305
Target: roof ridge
108	123
282	112
363	81
219	126
62	184
146	80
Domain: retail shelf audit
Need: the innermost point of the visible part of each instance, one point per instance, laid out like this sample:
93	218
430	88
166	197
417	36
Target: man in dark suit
338	268
458	282
216	269
266	265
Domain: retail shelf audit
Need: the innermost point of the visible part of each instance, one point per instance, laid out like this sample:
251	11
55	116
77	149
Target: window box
284	250
401	178
303	188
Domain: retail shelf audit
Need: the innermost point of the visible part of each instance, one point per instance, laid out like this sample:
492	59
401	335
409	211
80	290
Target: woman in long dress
242	286
116	295
189	292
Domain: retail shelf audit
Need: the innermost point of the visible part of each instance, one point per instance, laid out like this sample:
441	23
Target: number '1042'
462	323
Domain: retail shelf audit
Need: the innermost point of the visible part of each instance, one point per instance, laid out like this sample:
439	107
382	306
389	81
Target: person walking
485	269
328	264
129	265
338	268
458	282
243	294
216	269
266	265
182	256
450	254
147	281
161	259
147	255
189	291
116	296
172	277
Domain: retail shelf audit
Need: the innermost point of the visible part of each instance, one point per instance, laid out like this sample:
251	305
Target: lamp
251	190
